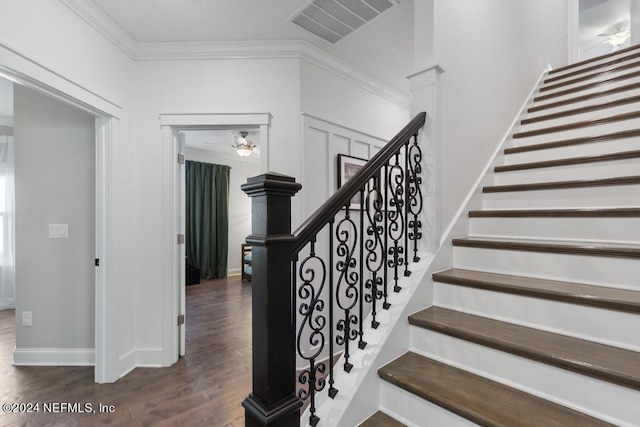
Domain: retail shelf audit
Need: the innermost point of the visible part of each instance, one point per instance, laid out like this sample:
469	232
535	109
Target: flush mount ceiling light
334	19
243	146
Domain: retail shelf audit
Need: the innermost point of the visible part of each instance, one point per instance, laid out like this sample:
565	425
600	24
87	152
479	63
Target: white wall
190	87
492	53
239	202
50	35
334	99
54	170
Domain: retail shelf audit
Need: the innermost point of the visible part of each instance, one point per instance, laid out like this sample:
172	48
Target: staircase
538	321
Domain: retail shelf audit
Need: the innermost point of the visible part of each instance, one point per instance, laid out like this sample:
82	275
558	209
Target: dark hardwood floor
204	388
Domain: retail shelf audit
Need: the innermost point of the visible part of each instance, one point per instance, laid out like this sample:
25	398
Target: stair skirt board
597	398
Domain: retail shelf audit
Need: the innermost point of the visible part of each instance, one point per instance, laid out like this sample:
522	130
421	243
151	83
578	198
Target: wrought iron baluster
385	183
332	390
405	210
395	251
415	194
375	259
361	342
313	323
346	288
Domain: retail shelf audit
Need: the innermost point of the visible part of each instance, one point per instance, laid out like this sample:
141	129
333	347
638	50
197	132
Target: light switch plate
58	231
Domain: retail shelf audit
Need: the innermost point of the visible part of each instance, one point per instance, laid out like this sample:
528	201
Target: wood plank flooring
204	388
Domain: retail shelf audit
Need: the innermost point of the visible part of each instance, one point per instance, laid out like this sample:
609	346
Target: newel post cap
271	184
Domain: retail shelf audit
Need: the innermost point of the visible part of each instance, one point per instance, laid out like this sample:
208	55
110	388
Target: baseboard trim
7	304
53	357
146	358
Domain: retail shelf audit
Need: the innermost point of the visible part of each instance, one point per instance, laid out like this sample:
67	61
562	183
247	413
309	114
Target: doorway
173	125
32	75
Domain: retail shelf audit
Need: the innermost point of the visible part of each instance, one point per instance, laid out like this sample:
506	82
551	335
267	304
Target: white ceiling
383	48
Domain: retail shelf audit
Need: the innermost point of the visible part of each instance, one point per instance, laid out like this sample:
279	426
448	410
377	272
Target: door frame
24	71
173	188
573	30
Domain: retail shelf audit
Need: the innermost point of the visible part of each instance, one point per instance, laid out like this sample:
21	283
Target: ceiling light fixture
618	38
244	147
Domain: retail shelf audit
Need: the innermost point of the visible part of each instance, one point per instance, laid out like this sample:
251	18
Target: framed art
348	166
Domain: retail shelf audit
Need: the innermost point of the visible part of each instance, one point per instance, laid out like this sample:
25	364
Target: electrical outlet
26	318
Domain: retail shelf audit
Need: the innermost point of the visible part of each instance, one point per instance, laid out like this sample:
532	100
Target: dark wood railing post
273	401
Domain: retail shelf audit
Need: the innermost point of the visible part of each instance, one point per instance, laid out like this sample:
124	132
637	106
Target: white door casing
173	212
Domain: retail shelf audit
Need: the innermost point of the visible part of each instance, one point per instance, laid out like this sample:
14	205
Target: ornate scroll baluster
375	250
313	274
395	251
361	342
414	206
347	294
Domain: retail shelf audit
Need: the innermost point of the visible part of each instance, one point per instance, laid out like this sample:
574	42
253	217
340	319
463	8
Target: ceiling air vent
334	19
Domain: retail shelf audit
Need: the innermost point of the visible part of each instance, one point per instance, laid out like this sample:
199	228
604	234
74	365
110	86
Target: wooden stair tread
587	86
556	185
595	59
587	97
556	213
552	246
380	419
623	155
582	110
574	141
574	293
478	399
551	85
612	364
578	125
609	65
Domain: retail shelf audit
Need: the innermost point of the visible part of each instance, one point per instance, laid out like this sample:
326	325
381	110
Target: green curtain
207	218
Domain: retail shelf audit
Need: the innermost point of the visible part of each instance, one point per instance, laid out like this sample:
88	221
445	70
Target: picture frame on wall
348	166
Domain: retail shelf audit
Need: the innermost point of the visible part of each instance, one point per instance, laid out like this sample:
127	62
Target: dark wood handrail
340	198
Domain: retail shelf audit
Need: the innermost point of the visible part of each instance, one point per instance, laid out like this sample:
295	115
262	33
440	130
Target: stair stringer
360	391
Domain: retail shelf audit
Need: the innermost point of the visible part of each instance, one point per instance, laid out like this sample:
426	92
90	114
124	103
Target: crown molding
322	59
260	49
103	24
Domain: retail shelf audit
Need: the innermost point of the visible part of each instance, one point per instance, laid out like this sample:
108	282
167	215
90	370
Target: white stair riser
582	132
594	77
415	411
577	150
578	321
596	89
605	196
590	115
613	229
596	170
595	270
616	404
622	58
580	104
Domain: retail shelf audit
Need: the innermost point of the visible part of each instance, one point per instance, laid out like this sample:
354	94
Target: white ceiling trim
103	24
156	51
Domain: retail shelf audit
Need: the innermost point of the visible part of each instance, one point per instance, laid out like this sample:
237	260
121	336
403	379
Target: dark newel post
273	401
